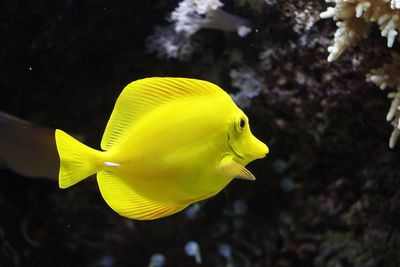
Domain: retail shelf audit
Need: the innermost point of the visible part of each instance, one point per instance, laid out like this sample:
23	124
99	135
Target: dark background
327	194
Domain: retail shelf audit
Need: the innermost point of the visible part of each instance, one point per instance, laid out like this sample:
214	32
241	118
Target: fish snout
259	149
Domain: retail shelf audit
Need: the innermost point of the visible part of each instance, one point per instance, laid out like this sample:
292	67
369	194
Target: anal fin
125	201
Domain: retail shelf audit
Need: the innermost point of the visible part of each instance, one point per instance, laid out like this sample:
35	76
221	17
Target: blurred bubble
225	250
130	224
280	165
107	261
157	260
221	228
192	249
300	78
287	184
192	212
240	207
283	232
285	218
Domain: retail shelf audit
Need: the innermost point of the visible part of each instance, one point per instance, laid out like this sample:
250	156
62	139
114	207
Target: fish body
169	142
154	152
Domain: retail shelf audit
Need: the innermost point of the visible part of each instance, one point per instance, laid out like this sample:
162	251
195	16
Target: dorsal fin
142	96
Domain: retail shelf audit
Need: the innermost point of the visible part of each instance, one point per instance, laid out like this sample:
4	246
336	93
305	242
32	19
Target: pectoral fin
231	168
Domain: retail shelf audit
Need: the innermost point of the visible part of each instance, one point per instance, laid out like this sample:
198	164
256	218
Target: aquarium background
328	193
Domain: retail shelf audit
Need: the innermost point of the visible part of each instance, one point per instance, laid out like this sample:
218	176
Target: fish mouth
234	152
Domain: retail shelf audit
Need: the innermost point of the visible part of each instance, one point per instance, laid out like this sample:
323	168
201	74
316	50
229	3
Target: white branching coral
394	116
192	15
249	84
166	43
305	18
354	18
175	41
389	76
395	4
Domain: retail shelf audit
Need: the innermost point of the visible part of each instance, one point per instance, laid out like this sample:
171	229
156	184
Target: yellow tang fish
168	143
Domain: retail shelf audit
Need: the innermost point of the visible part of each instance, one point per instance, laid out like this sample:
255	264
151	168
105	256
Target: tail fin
77	161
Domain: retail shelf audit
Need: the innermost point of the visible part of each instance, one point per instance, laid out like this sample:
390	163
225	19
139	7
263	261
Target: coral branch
354	18
388	76
193	15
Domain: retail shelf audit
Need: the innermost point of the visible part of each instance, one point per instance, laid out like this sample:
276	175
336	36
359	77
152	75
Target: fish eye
242	123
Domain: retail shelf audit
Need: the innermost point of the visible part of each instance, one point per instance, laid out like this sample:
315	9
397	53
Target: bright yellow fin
77	161
142	96
125	201
232	169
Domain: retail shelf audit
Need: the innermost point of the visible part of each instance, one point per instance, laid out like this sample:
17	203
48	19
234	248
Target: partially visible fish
28	149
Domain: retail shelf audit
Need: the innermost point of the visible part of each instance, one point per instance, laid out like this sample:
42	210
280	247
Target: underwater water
326	195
